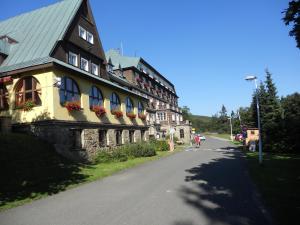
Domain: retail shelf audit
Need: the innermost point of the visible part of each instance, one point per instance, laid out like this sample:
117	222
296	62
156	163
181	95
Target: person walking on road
197	140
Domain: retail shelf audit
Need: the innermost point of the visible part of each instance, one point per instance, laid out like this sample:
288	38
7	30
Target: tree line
280	118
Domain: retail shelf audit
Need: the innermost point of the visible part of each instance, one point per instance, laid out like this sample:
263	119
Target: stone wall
5	124
78	143
186	131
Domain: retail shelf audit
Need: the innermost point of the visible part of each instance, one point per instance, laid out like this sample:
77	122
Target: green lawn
34	170
279	183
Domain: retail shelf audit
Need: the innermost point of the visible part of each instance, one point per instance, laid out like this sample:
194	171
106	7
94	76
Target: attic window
82	32
90	37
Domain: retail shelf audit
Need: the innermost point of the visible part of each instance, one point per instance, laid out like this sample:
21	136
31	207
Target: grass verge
34	170
278	180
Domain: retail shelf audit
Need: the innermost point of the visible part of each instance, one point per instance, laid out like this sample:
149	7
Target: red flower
99	110
73	106
117	113
131	115
142	116
138	79
146	85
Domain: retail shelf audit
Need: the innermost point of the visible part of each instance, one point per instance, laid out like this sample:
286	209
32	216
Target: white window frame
80	28
87	64
72	54
87	37
97	69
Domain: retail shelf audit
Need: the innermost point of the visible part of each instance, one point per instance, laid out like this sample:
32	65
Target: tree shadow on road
222	191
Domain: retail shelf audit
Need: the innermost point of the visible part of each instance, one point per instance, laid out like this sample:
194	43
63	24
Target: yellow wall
52	109
45	111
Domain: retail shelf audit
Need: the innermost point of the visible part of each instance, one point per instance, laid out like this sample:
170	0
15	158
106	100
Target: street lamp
231	138
250	78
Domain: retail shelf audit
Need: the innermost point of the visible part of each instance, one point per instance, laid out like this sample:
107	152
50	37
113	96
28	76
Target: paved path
204	186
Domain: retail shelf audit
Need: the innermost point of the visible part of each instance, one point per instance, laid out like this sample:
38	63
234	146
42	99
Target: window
90	37
73	59
102	138
3	97
118	137
131	136
114	102
95	97
140	108
173	117
161	116
95	69
82	32
143	135
28	89
78	139
181	131
84	64
129	105
69	90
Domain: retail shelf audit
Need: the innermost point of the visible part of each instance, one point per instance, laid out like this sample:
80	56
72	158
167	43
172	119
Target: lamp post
231	138
250	78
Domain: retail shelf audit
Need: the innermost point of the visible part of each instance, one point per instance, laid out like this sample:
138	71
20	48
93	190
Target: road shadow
30	168
223	192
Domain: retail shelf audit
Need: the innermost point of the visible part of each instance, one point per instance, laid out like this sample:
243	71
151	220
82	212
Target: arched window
114	102
3	97
129	105
28	89
69	91
96	98
140	108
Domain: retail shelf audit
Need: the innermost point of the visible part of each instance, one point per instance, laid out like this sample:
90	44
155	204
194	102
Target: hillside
200	123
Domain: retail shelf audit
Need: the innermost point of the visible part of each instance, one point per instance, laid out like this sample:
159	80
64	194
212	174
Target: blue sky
204	47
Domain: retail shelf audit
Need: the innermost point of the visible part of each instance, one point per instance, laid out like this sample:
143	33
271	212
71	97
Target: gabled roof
37	33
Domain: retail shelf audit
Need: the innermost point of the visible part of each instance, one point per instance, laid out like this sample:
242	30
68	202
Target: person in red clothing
197	140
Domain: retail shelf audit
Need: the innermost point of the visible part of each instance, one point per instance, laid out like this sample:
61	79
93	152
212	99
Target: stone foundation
79	141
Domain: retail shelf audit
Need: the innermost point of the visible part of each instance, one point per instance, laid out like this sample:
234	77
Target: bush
122	153
115	155
160	145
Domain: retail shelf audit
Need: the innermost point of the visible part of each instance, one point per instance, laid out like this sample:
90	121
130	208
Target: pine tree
271	116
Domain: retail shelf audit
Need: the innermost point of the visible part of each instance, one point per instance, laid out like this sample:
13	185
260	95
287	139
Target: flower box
117	113
27	106
131	115
142	116
99	110
72	106
138	79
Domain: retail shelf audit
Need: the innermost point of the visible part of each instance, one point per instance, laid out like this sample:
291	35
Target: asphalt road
204	186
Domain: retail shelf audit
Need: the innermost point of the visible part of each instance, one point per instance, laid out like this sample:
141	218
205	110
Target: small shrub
160	145
114	155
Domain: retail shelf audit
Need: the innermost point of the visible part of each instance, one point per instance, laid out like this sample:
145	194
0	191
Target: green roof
36	33
124	61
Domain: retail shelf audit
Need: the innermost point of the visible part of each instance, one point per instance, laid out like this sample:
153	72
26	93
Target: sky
205	48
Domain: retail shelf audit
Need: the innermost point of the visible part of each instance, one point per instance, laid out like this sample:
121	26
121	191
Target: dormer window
90	37
82	33
95	69
73	60
84	64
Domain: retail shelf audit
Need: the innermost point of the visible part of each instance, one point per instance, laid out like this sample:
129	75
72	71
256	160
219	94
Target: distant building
163	112
54	83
